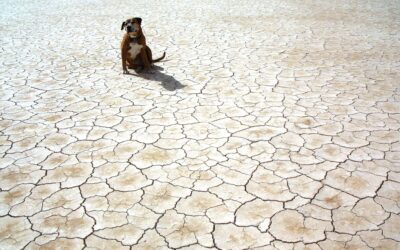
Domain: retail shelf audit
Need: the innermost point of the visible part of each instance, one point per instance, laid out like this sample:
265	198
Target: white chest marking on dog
135	49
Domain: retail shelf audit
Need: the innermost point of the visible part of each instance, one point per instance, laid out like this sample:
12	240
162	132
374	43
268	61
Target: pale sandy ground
272	125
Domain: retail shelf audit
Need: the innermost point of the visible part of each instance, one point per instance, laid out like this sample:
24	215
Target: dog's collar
135	39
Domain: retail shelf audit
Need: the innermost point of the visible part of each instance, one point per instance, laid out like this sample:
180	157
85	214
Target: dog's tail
159	59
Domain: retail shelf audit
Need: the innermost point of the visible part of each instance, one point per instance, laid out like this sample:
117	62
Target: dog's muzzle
131	28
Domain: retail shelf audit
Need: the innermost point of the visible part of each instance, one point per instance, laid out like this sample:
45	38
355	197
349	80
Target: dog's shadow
168	82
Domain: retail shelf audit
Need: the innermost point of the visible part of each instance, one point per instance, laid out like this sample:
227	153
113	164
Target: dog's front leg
123	56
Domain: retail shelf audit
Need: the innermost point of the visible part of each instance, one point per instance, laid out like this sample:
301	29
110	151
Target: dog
134	51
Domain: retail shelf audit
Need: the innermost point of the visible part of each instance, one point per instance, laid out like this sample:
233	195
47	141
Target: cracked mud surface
271	125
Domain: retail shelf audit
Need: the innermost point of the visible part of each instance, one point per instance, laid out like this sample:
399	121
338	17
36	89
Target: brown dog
134	51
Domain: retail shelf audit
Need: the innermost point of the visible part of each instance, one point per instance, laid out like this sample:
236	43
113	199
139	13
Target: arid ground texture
269	125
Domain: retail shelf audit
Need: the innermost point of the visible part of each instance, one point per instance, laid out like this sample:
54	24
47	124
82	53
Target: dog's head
132	26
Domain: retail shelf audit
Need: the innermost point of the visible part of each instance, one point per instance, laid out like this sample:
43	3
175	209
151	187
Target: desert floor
269	125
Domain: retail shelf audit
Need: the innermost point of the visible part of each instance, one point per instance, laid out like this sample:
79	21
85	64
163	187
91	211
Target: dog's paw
125	71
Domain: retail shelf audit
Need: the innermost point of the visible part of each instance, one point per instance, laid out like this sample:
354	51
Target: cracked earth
271	125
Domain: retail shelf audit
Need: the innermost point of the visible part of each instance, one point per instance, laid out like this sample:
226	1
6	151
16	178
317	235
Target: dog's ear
139	20
123	25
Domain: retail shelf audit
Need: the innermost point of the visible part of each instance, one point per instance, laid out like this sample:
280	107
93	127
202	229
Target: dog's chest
134	49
